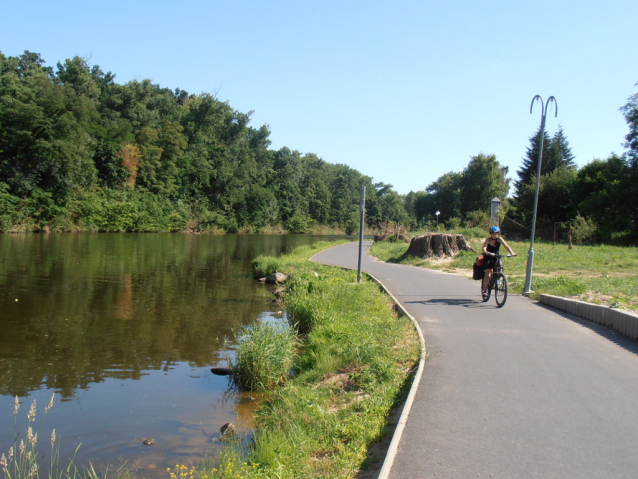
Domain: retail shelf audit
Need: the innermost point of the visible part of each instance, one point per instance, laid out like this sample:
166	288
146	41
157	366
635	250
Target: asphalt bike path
518	392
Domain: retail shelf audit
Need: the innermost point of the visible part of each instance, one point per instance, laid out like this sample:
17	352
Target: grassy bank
598	274
352	364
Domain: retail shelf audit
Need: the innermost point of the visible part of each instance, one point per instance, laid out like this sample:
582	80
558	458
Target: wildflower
34	469
21	447
52	438
10	453
3	461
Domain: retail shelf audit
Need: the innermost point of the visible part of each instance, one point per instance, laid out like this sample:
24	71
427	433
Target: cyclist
490	249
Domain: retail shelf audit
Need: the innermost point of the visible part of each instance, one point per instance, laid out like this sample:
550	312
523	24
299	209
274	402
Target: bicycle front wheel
486	294
500	289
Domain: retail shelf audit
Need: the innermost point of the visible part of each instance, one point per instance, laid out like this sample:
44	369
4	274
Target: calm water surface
124	329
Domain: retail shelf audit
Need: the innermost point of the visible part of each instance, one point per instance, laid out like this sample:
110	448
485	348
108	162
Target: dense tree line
79	152
599	199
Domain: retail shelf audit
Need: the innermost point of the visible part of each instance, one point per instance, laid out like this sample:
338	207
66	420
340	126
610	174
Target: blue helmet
495	229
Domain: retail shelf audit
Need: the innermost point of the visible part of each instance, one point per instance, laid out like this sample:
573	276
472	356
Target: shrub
453	223
300	224
583	230
477	219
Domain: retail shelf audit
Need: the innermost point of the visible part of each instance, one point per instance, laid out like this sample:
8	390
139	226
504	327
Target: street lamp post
437	217
530	256
362	209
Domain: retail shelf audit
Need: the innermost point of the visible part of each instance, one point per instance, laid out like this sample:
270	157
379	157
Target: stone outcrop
274	278
228	429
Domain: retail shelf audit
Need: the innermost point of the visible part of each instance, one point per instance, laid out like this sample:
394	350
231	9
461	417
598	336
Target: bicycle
498	283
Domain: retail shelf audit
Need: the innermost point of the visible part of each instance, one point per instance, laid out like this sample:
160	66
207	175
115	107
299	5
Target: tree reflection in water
124	328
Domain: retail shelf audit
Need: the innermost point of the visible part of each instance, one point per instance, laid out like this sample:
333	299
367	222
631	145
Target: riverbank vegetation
352	364
599	274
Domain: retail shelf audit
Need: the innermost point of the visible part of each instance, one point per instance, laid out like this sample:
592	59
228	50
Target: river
123	329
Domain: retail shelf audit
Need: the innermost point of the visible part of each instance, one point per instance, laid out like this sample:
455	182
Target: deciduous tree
445	196
483	179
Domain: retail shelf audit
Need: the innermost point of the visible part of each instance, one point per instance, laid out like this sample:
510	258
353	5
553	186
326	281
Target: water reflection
124	328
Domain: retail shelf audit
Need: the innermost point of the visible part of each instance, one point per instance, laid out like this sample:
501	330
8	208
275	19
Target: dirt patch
620	301
343	380
590	274
597	298
442	261
347	392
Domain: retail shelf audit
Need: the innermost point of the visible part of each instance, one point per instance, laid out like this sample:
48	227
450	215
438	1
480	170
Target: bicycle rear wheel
500	289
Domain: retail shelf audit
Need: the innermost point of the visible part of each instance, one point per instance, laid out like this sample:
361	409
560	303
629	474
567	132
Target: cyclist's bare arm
507	247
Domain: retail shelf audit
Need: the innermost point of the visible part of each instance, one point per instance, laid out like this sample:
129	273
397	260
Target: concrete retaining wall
622	321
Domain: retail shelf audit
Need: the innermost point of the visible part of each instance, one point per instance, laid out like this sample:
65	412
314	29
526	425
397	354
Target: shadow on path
450	301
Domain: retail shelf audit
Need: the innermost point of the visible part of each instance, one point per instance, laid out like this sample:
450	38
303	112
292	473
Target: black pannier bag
478	272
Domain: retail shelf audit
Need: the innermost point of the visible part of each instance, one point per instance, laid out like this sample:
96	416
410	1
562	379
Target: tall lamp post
437	217
530	256
362	209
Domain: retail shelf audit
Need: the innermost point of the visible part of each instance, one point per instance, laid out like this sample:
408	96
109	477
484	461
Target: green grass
599	274
291	262
352	367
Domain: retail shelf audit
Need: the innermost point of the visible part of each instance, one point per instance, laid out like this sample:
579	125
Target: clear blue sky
402	91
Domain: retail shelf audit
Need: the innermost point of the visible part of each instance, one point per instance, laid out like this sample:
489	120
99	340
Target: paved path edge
403	419
384	473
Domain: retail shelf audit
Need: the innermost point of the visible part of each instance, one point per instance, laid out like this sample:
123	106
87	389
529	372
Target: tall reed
264	356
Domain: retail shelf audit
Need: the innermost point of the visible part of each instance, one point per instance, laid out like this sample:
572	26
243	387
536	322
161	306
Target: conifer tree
556	153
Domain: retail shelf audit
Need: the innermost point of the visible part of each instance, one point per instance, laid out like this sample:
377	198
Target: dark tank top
493	249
